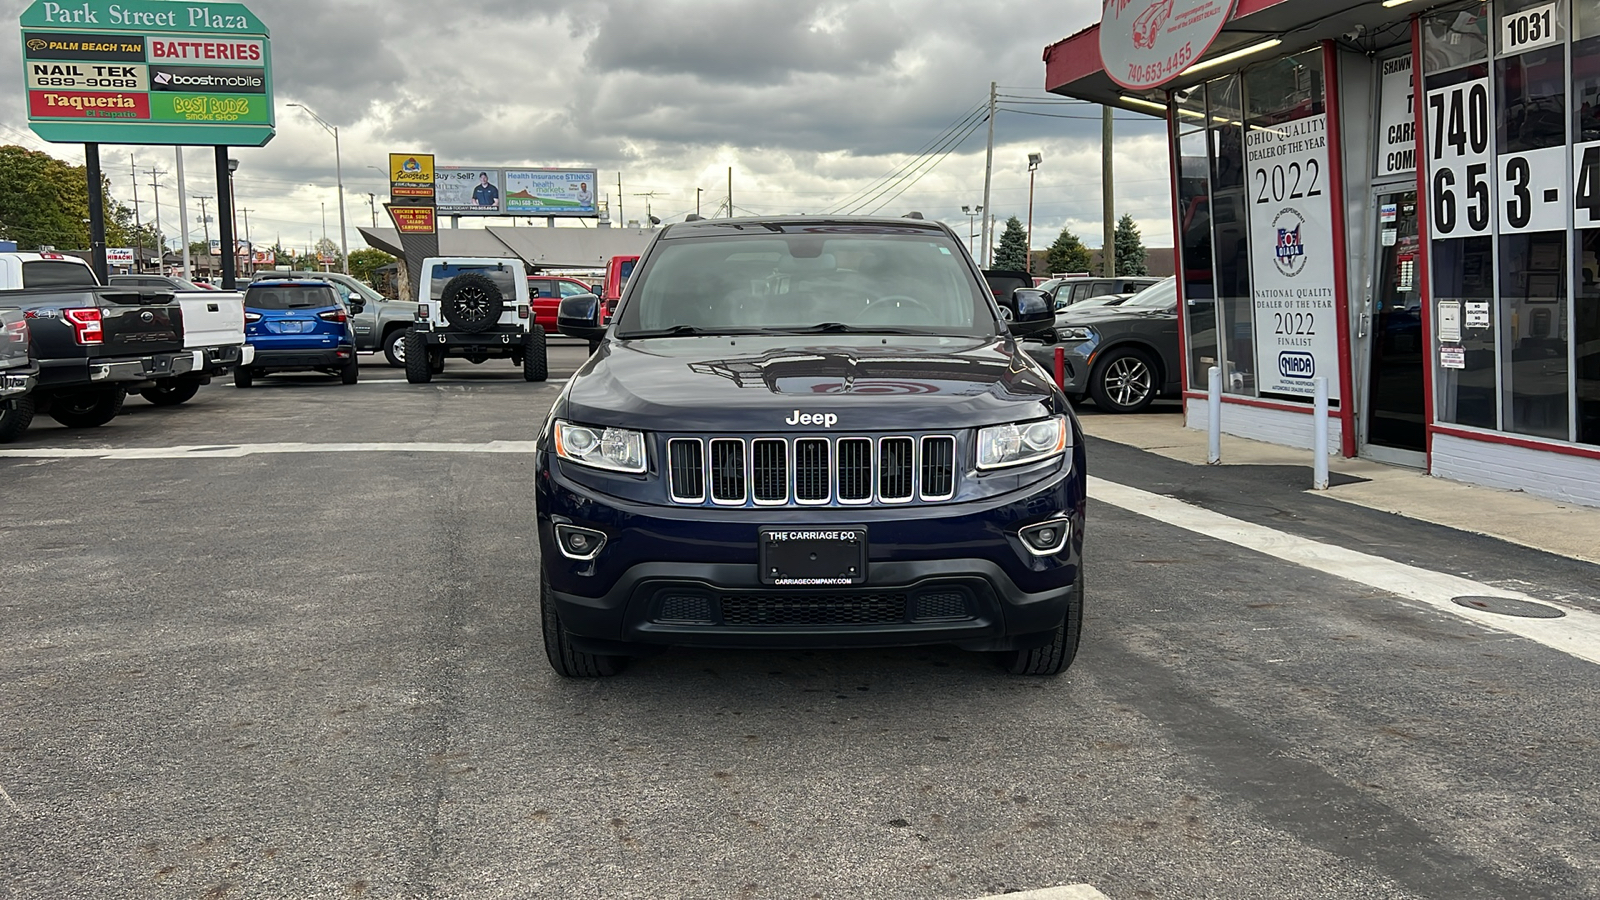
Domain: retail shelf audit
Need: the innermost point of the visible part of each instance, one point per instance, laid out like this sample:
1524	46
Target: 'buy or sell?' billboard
147	72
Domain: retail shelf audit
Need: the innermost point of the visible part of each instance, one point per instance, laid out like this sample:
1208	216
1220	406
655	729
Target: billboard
550	192
469	191
411	175
119	256
147	72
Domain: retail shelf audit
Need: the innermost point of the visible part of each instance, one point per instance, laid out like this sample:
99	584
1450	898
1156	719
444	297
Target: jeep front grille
811	471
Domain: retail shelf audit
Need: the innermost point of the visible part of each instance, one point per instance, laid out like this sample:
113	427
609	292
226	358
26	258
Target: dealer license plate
799	557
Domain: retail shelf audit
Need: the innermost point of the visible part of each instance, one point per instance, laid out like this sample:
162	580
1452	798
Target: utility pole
648	218
697	192
138	226
1108	255
620	220
183	212
155	185
249	246
205	221
988	178
372	204
730	192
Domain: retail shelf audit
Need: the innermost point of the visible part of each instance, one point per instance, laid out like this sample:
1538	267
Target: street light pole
1034	159
338	169
973	212
205	222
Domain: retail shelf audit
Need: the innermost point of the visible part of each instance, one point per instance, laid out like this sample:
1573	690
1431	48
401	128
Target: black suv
809	432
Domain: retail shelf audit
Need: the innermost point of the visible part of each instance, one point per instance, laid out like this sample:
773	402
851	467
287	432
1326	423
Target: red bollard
1061	368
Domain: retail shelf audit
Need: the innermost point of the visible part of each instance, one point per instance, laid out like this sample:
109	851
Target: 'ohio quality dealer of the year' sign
147	72
1291	257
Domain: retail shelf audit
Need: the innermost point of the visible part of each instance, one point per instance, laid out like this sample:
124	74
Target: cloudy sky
812	102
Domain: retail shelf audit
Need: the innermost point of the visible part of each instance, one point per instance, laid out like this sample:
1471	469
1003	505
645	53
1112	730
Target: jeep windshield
806	283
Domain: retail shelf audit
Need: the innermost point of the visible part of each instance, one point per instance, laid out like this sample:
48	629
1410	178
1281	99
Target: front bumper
280	359
1077	358
937	573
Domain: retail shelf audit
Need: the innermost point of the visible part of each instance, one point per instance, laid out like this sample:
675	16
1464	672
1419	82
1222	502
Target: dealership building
1400	198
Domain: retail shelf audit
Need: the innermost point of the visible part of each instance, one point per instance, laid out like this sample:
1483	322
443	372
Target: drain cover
1506	606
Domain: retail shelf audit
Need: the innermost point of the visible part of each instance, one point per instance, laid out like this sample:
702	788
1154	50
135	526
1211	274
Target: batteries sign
147	72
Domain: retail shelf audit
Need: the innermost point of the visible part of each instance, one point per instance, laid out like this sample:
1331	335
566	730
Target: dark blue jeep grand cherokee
809	432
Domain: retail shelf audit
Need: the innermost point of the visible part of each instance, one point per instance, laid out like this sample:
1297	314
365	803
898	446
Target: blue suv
809	432
296	326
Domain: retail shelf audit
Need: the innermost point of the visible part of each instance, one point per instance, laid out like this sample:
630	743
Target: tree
1012	253
45	202
1129	248
366	261
1068	254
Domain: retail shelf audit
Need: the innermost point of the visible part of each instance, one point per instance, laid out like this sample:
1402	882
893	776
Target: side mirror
579	316
1034	312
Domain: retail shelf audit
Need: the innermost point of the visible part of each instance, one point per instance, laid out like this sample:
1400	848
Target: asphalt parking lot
235	665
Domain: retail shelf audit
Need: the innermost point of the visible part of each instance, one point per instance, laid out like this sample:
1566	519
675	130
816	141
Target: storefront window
1586	334
1463	274
1533	316
1526	24
1285	89
1532	90
1231	237
1585	22
1194	221
1455	38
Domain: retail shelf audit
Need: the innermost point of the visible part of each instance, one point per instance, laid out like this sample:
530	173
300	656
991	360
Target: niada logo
1297	364
1289	249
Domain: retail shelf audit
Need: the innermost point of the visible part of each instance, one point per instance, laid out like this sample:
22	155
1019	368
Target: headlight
616	449
1012	445
1075	333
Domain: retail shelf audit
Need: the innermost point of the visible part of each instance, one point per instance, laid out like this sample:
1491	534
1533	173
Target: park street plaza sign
147	72
1146	43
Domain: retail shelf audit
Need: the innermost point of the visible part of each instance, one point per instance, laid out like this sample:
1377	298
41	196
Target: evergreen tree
1129	248
1012	253
1068	254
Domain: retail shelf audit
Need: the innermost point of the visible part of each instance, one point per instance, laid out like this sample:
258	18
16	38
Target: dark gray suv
1068	291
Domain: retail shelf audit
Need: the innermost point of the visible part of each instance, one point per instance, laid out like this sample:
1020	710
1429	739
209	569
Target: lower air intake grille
947	605
685	609
822	609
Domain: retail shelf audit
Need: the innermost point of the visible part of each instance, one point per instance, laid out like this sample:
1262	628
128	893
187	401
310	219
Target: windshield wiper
841	328
686	331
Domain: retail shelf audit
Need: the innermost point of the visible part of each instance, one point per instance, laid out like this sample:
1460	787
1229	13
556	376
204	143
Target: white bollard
1319	442
1213	416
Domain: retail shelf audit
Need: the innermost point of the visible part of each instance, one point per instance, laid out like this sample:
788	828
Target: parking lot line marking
10	802
1064	892
1577	633
213	451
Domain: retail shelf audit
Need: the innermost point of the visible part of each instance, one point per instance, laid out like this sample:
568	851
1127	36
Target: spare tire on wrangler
472	302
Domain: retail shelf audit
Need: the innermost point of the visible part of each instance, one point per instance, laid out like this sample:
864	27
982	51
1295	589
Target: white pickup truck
213	321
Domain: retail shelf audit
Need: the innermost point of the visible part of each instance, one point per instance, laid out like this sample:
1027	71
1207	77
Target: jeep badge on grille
826	420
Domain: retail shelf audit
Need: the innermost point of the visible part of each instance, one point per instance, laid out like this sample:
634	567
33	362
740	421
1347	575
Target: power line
948	142
856	195
931	166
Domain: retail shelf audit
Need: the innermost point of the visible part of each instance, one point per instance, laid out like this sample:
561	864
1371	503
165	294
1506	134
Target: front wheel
1124	381
1054	657
171	393
394	348
564	658
88	410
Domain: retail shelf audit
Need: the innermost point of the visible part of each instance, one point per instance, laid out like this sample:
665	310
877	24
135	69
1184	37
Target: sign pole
183	212
97	211
226	247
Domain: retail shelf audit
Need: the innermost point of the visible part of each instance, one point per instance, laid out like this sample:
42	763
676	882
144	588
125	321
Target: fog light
579	543
1046	538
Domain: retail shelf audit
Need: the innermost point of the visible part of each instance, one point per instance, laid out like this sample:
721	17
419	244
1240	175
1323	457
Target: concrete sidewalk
1563	529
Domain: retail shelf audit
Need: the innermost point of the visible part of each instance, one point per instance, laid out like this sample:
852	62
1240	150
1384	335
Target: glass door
1395	427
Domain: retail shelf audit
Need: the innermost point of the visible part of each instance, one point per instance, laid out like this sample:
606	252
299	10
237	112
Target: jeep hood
748	384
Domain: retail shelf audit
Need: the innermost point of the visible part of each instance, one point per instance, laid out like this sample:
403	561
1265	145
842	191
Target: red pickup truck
546	293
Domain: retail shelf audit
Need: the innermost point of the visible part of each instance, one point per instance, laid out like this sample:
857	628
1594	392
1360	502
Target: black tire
88	410
1052	658
394	347
567	661
350	373
171	393
472	302
417	369
16	415
535	361
243	377
1124	381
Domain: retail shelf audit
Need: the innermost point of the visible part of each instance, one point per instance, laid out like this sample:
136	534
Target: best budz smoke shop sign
147	72
1145	44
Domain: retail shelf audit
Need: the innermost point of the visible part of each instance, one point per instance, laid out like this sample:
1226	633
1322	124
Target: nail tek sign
147	72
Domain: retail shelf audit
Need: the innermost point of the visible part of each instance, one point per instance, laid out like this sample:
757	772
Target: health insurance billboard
550	192
147	72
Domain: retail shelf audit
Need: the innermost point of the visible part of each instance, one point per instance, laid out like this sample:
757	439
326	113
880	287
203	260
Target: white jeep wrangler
474	308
